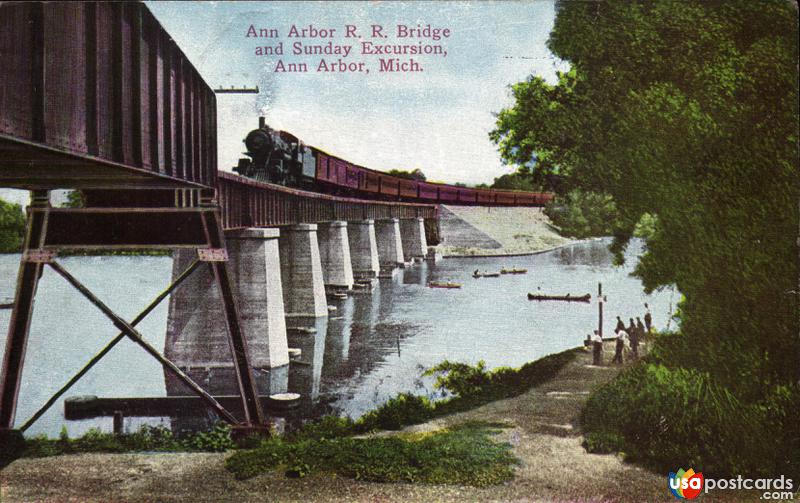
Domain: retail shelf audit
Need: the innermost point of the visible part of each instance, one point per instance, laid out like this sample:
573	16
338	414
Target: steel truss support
108	347
212	226
27	280
37	253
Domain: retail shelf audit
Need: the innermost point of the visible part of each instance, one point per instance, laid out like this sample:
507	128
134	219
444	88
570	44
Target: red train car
389	186
323	167
468	196
337	173
371	181
428	191
409	188
486	196
504	198
448	194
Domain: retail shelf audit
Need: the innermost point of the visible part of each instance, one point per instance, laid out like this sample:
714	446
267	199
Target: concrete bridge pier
195	325
363	249
301	272
415	246
305	374
334	251
390	245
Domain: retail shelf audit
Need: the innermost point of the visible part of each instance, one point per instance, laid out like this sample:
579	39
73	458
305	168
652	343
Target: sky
436	120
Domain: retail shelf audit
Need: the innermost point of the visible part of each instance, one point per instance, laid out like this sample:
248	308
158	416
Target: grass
148	438
469	386
464	454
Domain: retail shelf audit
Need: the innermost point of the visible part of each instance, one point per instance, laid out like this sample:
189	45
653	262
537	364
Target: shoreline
523	254
541	426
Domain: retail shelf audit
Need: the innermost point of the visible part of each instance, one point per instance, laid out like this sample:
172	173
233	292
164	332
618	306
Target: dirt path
544	435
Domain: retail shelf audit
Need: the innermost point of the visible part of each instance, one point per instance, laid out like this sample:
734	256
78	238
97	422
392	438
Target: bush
398	412
216	439
673	417
147	438
326	427
12	227
464	454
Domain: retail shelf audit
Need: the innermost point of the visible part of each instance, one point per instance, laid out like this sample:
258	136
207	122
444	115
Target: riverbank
542	430
481	231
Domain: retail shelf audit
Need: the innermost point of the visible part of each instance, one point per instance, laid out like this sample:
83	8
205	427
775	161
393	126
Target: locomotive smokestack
262	121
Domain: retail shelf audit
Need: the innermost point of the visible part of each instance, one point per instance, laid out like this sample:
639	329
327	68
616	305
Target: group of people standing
631	335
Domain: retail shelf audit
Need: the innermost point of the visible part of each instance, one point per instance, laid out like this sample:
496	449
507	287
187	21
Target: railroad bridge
98	97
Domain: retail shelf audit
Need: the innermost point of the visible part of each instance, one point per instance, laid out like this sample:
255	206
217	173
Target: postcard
537	250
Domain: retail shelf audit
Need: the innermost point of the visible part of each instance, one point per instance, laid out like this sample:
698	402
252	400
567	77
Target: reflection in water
415	275
594	253
221	381
371	348
305	374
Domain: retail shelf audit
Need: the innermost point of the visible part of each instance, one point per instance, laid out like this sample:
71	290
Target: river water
371	348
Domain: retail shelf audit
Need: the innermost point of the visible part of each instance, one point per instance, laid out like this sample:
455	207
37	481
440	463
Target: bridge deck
248	203
99	95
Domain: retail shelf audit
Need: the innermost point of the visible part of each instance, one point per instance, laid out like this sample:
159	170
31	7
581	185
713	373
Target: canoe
437	284
486	275
513	271
567	298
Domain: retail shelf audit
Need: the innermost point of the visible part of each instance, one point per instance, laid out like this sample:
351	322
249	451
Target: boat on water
477	274
442	284
513	271
566	298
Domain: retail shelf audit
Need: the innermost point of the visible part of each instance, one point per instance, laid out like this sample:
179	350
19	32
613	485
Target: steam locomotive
281	158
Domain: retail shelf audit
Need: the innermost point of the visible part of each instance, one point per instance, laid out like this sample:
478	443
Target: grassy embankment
463	453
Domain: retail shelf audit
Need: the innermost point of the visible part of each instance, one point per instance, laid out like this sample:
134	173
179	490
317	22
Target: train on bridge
280	157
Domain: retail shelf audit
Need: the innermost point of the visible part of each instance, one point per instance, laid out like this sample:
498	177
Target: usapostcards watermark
688	484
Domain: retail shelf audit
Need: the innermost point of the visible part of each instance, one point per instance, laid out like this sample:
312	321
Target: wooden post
600	309
119	422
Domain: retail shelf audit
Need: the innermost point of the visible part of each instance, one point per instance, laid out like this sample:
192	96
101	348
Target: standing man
622	336
648	318
620	324
597	349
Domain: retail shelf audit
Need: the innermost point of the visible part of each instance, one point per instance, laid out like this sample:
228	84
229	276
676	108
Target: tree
12	227
685	111
417	174
514	181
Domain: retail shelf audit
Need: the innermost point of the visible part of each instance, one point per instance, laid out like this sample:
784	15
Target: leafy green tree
686	111
75	199
515	181
417	174
582	214
12	227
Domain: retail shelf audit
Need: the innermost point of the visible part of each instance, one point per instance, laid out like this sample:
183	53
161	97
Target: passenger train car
280	157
